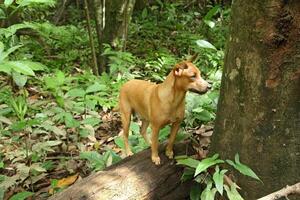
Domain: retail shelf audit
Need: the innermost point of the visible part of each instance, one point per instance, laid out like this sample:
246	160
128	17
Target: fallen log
135	177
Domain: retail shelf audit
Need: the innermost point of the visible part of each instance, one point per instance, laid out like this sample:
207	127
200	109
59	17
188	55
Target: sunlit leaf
232	193
19	79
62	183
244	169
209	192
95	88
7	3
218	178
188	162
205	44
206	163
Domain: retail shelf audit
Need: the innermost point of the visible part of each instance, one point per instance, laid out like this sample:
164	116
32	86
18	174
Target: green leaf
20	67
95	88
7	3
21	195
35	66
134	127
218	178
188	162
244	169
195	192
209	192
212	12
205	44
5	54
206	163
119	142
96	161
1	165
23	3
70	121
232	193
91	121
209	23
76	92
19	79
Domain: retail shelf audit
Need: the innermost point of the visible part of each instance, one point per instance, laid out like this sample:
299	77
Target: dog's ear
193	57
179	68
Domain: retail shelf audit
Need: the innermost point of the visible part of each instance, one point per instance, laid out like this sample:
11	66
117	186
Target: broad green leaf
210	23
232	193
96	161
96	87
218	178
1	165
209	192
134	127
19	79
119	142
19	67
5	54
21	195
195	192
91	121
205	44
70	121
212	12
188	162
244	169
23	3
35	66
11	30
60	77
206	163
7	3
76	92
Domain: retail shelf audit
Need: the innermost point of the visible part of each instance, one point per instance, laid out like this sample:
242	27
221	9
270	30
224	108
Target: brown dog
160	104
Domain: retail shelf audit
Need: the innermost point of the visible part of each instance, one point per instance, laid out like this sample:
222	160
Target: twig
284	192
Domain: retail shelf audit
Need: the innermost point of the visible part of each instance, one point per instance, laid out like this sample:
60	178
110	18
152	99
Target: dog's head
188	78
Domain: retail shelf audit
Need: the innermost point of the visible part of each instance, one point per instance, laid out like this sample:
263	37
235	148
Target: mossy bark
259	108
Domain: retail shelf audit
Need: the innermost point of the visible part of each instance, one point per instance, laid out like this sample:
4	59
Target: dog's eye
194	76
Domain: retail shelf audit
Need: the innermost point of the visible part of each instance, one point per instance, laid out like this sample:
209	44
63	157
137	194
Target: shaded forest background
55	111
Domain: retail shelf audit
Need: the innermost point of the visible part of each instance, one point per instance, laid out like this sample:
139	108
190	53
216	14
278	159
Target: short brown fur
159	104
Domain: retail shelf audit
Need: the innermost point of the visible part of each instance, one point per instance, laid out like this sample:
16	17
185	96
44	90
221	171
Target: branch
284	192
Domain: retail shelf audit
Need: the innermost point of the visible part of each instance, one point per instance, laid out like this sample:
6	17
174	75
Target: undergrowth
55	115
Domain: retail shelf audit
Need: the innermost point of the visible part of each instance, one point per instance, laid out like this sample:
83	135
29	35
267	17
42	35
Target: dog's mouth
198	91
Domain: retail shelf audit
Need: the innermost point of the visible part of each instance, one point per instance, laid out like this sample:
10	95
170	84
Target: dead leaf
64	182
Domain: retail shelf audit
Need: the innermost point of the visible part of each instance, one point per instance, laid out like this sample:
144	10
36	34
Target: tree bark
259	108
134	177
112	20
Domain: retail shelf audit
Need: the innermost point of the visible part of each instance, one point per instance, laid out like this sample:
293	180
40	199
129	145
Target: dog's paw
169	153
129	153
156	160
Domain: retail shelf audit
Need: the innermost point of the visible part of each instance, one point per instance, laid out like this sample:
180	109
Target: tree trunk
112	20
259	108
134	177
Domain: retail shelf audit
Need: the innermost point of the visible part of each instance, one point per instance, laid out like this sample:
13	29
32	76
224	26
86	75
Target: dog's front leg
174	130
154	144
